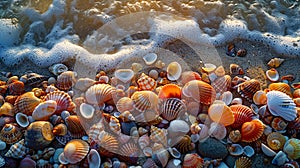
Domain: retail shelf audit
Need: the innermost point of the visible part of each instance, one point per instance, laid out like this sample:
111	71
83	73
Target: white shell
87	110
195	138
84	83
226	97
178	128
94	158
174	71
272	75
249	151
174	152
44	110
208	67
237	100
237	150
280	159
267	151
57	69
280	104
62	159
150	58
217	130
124	75
22	119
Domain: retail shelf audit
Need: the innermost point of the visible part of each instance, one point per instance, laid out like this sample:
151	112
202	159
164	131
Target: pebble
212	148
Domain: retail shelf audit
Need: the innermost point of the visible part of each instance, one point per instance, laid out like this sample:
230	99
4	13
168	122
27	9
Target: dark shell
184	144
231	50
248	88
34	79
75	128
241	52
11	133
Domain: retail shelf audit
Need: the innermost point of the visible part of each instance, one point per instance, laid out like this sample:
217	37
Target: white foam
9	32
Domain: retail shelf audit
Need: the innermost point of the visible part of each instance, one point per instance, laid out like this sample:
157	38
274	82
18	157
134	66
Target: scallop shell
253	130
99	94
276	141
282	87
243	162
66	80
272	74
44	110
22	120
7	109
296	93
279	124
75	150
200	92
108	145
129	153
260	98
208	67
158	135
241	114
63	101
189	76
235	136
124	75
26	103
17	150
221	113
150	163
235	69
292	148
150	58
248	88
280	104
144	141
11	133
145	82
57	69
217	130
74	126
275	62
192	161
144	100
16	87
125	104
235	149
172	108
95	130
169	91
222	84
174	71
220	71
183	144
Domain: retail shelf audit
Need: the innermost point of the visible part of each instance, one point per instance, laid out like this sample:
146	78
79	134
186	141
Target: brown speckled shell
11	133
26	103
66	80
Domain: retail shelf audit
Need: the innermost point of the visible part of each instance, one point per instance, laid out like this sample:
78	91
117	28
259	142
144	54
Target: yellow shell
26	103
282	87
220	71
219	112
75	150
66	80
158	135
7	109
275	62
174	71
260	98
243	162
292	148
276	141
253	130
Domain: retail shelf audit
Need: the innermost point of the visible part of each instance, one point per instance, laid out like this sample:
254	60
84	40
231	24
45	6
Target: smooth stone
2	145
212	148
57	152
126	127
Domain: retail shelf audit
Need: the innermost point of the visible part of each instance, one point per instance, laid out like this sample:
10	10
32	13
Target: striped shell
144	100
44	110
171	108
280	104
11	133
276	141
243	162
219	112
108	144
144	141
275	62
282	87
99	94
253	130
292	148
34	79
124	104
184	144
146	83
129	153
222	84
17	150
169	91
192	161
248	88
66	80
63	100
74	126
16	87
260	98
241	114
235	69
220	71
200	91
75	150
95	130
158	135
26	103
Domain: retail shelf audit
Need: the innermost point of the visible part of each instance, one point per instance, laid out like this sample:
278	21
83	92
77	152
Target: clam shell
44	110
99	94
248	88
124	75
22	120
158	135
66	80
16	87
235	69
125	104
219	112
292	148
249	151
169	91
17	150
144	141
275	62
241	114
144	100
243	162
172	108
26	103
276	141
253	130
282	87
189	76
63	101
74	126
235	136
87	111
7	109
75	150
129	153
57	69
260	98
84	83
184	144
174	71
145	82
280	104
222	84
217	130
236	149
208	67
272	74
192	161
11	133
150	58
94	158
267	151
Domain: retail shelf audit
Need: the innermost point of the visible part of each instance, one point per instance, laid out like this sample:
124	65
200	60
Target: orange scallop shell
74	127
170	91
189	76
63	100
145	82
192	161
66	80
260	98
108	144
248	88
26	103
282	87
99	94
242	114
253	130
222	84
75	150
16	87
219	112
144	100
11	133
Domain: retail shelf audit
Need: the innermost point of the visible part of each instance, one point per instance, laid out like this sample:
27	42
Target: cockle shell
145	82
248	88
17	150
124	75
172	108
243	162
108	144
280	104
63	101
11	133
217	130
292	148
144	100
125	104
174	71
235	149
22	120
169	91
253	130
200	91
260	98
282	87
16	87
75	150
66	80
219	112
235	136
275	62
74	126
296	93
276	141
99	94
189	76
272	74
235	69
44	110
158	135
7	109
26	103
129	153
241	114
222	84
57	69
150	58
183	144
192	161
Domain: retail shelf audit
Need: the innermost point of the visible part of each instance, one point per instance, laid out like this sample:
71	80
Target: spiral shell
241	114
146	83
75	150
253	130
221	113
276	141
66	80
144	100
279	124
169	91
99	94
235	69
158	135
63	101
57	69
292	148
222	84
184	144
172	108
275	62
192	161
243	162
26	103
248	88
11	133
17	150
235	136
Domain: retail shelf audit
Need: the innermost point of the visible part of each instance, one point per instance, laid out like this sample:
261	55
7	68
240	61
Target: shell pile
155	118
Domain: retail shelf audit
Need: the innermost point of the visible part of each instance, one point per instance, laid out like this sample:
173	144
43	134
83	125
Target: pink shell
63	100
99	94
66	80
192	161
241	114
222	84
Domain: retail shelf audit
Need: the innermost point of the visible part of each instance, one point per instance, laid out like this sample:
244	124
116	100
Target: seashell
236	101
6	120
260	98
124	104
267	151
27	162
114	125
99	94
57	69
249	151
291	164
280	104
158	135
203	133
136	67
275	62
44	110
195	138
9	99
208	67
235	149
243	162
126	117
63	101
84	83
150	163
22	120
212	77
183	144
144	100
241	52
153	73
144	141
226	97
200	92
66	80
241	114
279	124
195	128
124	75
7	109
220	71
94	158
222	84
174	71
248	88
33	79
129	153
192	161
26	103
272	74
296	85
108	144
235	136
178	128
235	69
95	130
189	76
103	79
39	135
280	158
292	148
252	130
16	87
17	150
276	141
217	130
75	150
159	64
231	50
237	80
172	108
150	58
87	111
145	82
11	133
74	127
170	91
219	112
282	87
60	130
